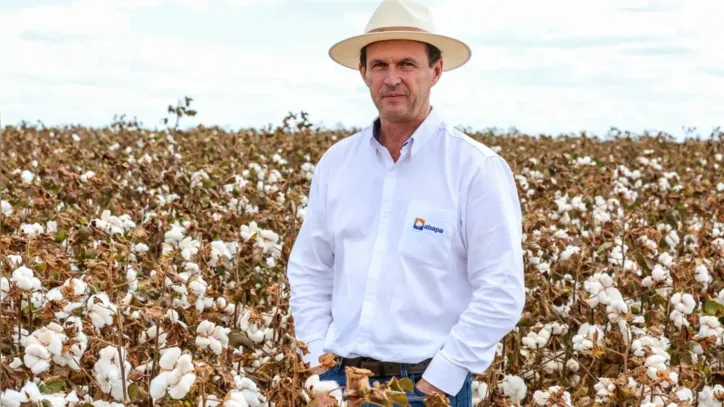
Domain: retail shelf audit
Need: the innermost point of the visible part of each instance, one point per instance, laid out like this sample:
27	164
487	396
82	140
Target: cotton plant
109	371
660	279
223	253
553	361
212	336
683	305
175	239
702	276
316	387
709	396
52	343
32	229
710	327
654	352
553	396
25	279
267	240
248	394
602	290
583	341
198	178
242	205
6	208
605	390
150	334
112	224
513	387
176	376
30	394
100	309
480	391
540	339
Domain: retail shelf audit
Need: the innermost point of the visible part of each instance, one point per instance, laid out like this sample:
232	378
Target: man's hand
427	388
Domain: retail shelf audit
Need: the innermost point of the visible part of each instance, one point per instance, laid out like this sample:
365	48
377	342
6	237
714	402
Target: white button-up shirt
409	260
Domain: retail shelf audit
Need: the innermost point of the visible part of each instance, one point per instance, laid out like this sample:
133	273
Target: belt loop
403	369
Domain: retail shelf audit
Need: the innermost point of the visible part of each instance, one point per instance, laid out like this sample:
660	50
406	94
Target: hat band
398	28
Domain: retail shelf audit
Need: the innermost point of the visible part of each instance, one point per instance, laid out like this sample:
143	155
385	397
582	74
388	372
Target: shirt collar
422	134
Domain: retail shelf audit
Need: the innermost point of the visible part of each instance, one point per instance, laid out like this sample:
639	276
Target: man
409	260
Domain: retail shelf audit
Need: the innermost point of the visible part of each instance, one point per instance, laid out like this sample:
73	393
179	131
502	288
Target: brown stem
120	354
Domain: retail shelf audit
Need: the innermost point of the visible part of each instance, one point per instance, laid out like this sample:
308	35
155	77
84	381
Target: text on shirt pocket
427	234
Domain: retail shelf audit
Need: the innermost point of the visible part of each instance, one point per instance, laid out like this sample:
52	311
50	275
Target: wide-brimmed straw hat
401	20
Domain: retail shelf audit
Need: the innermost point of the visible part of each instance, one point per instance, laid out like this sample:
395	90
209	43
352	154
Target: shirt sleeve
492	232
309	271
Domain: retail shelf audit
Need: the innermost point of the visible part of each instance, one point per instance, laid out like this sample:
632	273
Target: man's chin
394	114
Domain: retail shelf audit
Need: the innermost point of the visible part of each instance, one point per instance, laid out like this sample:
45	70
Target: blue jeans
464	398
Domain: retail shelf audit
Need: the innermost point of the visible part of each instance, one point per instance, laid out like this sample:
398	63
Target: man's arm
493	236
309	271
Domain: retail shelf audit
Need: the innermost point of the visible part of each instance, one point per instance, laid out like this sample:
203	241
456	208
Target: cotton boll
169	357
37	358
583	340
707	396
563	397
107	371
101	310
480	391
12	398
212	336
702	275
198	286
683	303
25	279
256	336
514	388
132	279
176	376
236	399
159	384
180	389
604	390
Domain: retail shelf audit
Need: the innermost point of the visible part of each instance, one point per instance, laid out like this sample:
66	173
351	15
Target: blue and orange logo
419	224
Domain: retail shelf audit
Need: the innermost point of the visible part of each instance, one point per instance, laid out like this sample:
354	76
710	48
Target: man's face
399	77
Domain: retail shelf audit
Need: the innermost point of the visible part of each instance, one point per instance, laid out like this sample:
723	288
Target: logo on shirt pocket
429	239
419	224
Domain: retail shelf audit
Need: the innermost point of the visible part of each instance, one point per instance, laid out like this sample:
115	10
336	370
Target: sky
552	67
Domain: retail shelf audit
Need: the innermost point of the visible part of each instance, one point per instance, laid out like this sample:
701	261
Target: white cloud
549	67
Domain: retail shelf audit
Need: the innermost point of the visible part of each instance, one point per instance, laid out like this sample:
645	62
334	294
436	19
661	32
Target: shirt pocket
427	234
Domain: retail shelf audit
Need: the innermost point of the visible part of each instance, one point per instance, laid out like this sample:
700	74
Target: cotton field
146	267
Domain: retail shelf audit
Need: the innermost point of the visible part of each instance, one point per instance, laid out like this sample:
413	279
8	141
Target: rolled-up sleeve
492	223
309	271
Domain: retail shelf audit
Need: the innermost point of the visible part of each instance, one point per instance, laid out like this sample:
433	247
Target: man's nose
392	78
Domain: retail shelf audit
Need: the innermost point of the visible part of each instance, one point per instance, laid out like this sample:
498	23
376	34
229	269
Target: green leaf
135	392
641	261
60	237
657	299
525	322
671	220
712	307
51	385
604	246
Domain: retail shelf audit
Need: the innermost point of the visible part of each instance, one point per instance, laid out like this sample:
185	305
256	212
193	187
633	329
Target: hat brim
455	53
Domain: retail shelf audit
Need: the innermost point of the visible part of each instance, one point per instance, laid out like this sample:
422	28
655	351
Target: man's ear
437	71
362	72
